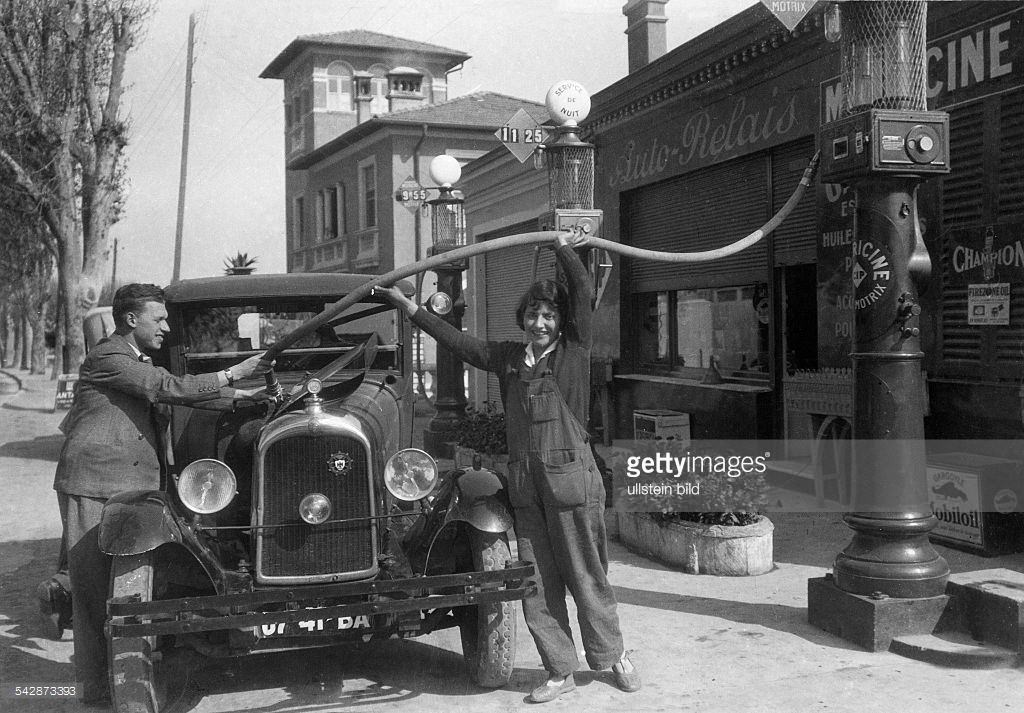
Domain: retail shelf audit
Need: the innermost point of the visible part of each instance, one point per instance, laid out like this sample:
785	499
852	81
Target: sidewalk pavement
703	643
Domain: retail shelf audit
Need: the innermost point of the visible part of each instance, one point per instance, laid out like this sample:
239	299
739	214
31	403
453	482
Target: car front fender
479	498
138	521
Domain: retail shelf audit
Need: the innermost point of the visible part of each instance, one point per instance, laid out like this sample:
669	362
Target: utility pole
184	150
113	272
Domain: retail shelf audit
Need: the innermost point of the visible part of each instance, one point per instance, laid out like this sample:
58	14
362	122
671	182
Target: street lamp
889	580
448	231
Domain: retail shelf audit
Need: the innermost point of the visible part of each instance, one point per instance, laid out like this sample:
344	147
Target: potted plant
729	536
240	264
482	432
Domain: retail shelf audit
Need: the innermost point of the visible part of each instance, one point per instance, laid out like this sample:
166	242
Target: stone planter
463	458
700	549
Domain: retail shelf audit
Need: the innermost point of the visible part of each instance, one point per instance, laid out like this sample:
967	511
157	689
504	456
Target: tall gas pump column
889	581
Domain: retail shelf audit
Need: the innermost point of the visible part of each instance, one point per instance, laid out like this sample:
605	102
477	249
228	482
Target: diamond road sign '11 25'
521	135
789	12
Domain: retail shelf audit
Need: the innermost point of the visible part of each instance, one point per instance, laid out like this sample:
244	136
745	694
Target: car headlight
315	508
410	474
206	486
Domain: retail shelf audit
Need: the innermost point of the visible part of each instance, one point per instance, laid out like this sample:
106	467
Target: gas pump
889	580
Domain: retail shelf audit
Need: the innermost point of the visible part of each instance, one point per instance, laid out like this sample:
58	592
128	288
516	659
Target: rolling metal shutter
981	147
507	275
963	201
1009	341
796	239
703	210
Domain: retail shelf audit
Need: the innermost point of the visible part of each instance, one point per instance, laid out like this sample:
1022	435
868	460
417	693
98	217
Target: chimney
645	31
405	88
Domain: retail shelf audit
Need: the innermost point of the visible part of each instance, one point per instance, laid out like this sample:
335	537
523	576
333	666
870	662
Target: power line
160	88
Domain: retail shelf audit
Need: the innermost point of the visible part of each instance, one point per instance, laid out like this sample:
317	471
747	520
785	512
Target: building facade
365	115
699	147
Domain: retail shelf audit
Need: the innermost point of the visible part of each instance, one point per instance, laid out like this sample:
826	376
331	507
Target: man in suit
112	445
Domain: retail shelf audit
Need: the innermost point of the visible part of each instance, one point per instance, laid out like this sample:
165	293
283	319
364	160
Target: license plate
329	625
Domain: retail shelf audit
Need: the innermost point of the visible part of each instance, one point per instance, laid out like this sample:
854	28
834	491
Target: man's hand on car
254	366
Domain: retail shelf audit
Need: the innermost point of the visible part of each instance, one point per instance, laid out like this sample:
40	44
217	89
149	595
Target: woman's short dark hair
133	298
544	291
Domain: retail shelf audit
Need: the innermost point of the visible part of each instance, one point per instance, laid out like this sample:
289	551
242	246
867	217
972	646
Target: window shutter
701	211
796	239
962	207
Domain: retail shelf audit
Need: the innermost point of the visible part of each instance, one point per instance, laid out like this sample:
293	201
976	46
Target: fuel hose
538	238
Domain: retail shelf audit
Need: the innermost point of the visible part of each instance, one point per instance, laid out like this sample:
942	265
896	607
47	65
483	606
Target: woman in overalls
554	484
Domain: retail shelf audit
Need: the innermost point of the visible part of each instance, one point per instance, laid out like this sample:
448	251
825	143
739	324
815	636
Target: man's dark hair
544	291
133	298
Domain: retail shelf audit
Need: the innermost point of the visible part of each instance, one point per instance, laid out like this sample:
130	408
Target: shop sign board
989	304
963	65
65	391
686	136
411	194
837	205
789	12
956	501
521	135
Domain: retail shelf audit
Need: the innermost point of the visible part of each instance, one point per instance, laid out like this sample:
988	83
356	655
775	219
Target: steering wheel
368	349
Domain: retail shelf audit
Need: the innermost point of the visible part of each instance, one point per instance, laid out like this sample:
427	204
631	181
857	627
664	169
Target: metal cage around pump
570	171
881	49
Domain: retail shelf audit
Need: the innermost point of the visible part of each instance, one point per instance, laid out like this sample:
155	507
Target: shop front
703	145
696	150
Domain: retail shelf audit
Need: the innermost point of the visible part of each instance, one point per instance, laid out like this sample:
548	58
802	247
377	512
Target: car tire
489	630
136	683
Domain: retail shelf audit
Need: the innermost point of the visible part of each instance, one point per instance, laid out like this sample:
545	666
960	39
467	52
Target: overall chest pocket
543	407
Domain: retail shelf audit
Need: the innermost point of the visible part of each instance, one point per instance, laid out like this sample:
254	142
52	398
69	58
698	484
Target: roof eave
277	66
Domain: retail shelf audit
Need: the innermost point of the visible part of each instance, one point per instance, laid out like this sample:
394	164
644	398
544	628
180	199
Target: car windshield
217	333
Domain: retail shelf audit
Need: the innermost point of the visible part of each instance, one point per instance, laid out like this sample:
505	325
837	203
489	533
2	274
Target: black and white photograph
471	356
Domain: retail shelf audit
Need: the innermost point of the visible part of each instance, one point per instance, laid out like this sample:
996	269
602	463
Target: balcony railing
368	249
328	256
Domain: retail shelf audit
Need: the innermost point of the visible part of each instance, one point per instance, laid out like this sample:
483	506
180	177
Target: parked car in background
310	521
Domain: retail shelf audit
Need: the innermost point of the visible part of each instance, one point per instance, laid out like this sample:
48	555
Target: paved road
704	643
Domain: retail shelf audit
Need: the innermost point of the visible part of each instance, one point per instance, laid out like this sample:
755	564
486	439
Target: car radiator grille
295	467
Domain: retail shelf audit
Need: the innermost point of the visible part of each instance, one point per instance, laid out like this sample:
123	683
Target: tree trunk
11	350
58	339
4	352
26	343
71	292
37	319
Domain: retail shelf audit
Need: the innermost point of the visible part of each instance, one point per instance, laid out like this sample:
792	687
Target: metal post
449	392
890	552
449	232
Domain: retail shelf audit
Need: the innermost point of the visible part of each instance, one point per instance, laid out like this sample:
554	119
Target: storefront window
684	329
654	337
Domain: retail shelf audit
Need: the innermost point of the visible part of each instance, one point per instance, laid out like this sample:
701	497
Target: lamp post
448	231
888	581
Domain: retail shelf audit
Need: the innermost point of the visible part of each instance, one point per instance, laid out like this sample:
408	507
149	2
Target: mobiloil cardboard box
978	502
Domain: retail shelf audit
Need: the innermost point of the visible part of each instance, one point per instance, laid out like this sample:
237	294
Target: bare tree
62	66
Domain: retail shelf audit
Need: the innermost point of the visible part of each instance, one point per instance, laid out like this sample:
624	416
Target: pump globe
568	103
445	170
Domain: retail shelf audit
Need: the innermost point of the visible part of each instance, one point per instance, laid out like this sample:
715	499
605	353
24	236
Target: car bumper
128	617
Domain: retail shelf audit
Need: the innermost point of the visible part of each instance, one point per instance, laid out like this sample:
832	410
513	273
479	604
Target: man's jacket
112	437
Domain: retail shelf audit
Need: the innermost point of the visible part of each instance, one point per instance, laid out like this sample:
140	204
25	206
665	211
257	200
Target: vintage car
309	520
